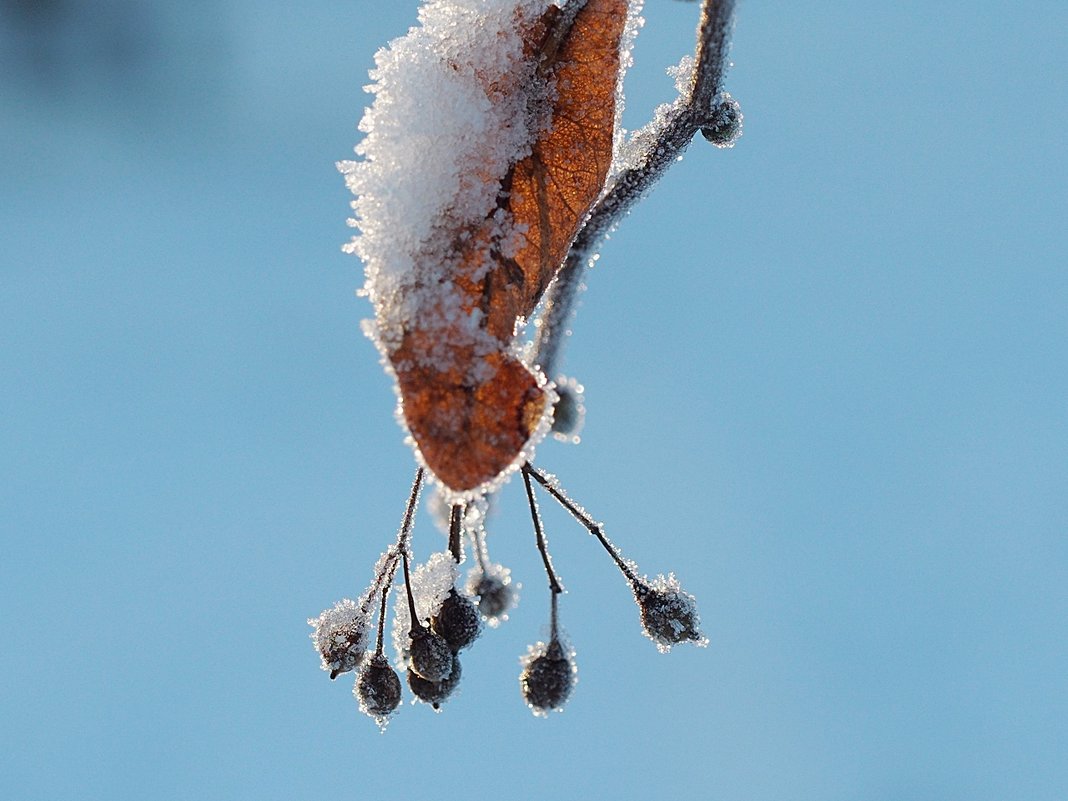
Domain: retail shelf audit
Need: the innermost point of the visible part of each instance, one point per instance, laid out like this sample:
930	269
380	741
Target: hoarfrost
635	22
683	74
431	583
668	613
341	636
456	103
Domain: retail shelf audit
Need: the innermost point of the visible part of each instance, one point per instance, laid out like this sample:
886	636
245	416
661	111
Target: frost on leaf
489	139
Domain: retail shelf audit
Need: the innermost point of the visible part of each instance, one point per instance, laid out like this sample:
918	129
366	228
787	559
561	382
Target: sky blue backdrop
826	379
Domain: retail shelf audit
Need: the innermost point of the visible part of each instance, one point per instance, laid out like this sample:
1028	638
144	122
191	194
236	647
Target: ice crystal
431	584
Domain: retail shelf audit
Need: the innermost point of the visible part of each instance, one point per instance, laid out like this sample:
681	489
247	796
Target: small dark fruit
435	693
724	125
669	617
547	680
568	411
430	655
494	596
457	621
378	687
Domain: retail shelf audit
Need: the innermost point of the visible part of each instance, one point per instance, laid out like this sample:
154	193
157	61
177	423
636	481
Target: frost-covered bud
569	413
341	636
494	591
457	621
669	615
430	655
435	693
494	597
378	688
548	677
724	124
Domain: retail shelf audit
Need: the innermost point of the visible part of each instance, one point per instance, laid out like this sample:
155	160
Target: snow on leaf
489	139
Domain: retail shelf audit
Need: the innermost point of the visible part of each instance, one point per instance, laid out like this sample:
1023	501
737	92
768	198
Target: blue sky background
826	378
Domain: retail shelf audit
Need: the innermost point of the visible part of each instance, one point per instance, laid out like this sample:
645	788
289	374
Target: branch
705	108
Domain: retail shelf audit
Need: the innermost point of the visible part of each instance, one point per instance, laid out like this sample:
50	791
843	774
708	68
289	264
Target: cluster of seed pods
429	645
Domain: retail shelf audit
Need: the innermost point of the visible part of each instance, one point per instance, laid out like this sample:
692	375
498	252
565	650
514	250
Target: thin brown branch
673	133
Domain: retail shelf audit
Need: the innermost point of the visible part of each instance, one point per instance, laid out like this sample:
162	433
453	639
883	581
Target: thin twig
591	525
674	134
554	583
456	516
382	614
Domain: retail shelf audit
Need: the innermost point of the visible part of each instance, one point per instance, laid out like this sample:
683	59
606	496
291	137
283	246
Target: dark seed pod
378	688
547	679
669	615
495	597
725	122
341	637
569	411
457	621
431	657
435	693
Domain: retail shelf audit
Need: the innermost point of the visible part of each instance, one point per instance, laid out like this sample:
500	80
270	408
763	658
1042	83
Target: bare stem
409	512
554	582
382	612
384	580
417	624
456	518
673	135
478	545
595	528
554	629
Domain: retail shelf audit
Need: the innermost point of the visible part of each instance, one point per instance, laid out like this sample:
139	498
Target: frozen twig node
492	166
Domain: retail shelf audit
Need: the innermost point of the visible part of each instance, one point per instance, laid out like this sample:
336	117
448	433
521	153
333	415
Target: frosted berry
435	693
430	655
669	615
724	125
566	414
378	688
495	597
341	637
547	679
457	621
